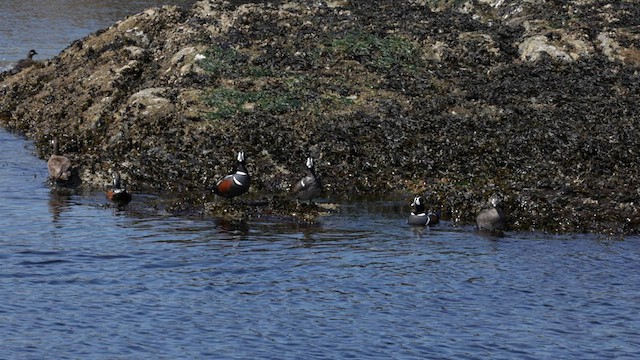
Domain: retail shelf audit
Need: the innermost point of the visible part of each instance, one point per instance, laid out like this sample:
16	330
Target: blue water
81	279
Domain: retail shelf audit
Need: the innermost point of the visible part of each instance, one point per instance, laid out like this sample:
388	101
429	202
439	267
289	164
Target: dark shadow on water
235	228
494	235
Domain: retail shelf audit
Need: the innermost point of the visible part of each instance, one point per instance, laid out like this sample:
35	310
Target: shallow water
83	279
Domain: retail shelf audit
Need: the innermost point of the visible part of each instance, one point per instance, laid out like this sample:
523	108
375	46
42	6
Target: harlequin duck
493	217
118	193
309	186
234	184
419	216
59	166
24	63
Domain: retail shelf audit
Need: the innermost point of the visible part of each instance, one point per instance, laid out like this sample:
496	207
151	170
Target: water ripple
81	279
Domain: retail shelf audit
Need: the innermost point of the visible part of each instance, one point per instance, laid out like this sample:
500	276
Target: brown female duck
59	166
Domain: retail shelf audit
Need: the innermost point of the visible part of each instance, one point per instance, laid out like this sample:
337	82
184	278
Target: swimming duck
419	216
491	218
24	63
59	166
309	186
234	184
118	193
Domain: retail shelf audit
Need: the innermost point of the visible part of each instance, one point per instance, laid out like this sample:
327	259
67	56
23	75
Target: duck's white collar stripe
241	173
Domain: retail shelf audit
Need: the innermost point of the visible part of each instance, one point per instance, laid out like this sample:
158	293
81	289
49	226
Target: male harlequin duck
24	63
492	218
59	166
234	184
419	216
309	186
118	193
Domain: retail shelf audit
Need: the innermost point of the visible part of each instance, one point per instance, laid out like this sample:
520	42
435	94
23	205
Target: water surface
83	279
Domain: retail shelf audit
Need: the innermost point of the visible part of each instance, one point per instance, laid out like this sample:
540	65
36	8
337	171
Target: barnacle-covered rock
537	101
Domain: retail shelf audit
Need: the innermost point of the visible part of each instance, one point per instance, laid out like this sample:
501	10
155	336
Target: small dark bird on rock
24	63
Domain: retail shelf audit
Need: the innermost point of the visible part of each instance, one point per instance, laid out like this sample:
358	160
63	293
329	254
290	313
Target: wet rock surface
536	101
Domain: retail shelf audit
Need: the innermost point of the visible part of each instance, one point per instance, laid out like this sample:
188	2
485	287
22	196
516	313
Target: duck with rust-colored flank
118	193
419	216
59	166
309	186
493	217
234	184
24	63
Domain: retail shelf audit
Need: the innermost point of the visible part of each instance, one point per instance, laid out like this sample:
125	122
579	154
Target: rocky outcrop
536	101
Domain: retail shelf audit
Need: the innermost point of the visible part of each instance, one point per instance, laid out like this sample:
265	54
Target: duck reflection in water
237	229
59	202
